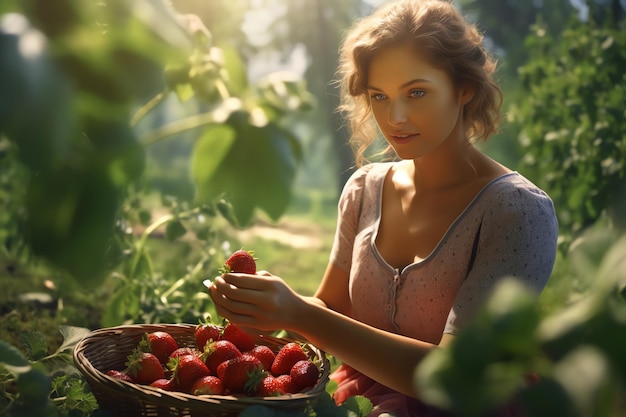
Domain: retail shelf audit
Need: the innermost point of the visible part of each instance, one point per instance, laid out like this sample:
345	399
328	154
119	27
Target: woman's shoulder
512	192
515	183
375	171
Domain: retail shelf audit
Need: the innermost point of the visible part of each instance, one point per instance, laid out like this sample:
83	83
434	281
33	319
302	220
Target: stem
222	89
180	282
139	248
175	128
145	109
144	237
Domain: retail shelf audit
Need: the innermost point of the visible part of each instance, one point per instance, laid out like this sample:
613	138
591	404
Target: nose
397	113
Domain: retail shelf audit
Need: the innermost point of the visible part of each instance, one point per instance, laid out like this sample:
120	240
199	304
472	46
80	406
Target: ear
466	94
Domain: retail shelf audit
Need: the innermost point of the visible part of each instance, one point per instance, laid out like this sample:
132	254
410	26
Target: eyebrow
406	84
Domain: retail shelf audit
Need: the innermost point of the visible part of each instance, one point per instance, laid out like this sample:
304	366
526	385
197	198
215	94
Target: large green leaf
257	171
208	154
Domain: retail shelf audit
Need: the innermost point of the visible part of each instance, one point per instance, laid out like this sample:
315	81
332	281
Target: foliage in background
79	69
576	351
96	77
573	119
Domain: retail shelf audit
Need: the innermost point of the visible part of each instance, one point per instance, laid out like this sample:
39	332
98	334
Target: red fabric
388	402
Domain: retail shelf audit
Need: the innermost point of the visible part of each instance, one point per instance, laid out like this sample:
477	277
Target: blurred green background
143	141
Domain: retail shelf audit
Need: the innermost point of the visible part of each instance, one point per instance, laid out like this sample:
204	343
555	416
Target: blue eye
378	97
417	93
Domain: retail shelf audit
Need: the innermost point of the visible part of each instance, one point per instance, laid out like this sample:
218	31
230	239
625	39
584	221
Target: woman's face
414	103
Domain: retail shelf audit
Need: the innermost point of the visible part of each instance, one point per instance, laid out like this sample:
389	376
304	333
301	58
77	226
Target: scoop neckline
448	231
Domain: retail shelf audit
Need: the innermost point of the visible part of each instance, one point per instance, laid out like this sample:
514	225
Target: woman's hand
262	301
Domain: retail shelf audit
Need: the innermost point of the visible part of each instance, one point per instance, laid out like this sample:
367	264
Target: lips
401	138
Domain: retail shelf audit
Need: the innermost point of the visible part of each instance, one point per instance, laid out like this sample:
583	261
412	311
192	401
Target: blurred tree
573	117
507	23
80	69
318	26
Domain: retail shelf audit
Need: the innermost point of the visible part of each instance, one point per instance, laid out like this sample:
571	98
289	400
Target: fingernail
207	283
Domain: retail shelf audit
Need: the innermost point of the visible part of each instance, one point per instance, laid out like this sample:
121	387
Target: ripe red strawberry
304	374
238	337
184	351
187	370
265	354
205	332
208	385
220	351
287	357
165	384
120	375
240	261
238	372
144	367
162	344
286	383
269	387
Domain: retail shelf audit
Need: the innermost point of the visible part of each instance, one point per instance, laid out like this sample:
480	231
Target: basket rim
186	400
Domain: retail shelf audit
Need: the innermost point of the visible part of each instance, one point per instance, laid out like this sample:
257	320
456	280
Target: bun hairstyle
436	28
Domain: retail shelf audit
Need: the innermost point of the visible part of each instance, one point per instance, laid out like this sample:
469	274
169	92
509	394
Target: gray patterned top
509	229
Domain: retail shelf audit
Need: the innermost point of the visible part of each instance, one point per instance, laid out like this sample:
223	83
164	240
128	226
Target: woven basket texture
108	348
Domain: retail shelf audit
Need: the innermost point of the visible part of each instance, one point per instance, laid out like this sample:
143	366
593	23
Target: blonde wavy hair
452	44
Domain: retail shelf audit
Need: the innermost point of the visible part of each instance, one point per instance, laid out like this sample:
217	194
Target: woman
420	241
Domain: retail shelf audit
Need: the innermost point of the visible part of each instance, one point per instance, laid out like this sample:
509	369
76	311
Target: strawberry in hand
240	261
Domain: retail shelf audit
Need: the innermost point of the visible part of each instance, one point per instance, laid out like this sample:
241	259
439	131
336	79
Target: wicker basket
105	349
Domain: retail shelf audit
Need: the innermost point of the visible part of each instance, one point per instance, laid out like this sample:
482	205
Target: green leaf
237	80
34	387
35	344
208	154
124	303
358	406
586	375
548	399
325	406
13	359
257	172
174	230
71	336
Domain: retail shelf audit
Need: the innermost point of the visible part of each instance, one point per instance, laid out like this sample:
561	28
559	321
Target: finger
245	281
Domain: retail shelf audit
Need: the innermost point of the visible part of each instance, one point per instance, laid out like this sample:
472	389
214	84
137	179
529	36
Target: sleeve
517	238
348	212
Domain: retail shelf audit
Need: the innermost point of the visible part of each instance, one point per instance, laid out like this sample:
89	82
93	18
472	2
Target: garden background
143	141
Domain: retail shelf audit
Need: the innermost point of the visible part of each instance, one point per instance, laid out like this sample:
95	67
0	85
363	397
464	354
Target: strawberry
162	344
183	351
187	370
240	261
119	375
286	357
220	351
239	374
208	385
286	384
205	332
165	384
144	367
269	387
304	374
238	337
265	354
